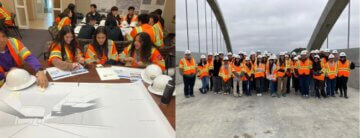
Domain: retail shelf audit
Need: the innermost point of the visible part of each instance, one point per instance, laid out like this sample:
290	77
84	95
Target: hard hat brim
26	85
145	79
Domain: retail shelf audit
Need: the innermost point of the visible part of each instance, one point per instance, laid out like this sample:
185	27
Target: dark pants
227	86
343	84
247	87
252	84
211	83
330	86
295	83
217	83
319	88
304	84
266	85
260	84
189	82
288	84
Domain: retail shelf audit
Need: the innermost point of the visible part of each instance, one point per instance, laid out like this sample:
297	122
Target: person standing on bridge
210	62
319	76
225	73
187	69
331	73
271	75
203	74
247	77
303	71
259	74
237	68
344	66
216	79
280	75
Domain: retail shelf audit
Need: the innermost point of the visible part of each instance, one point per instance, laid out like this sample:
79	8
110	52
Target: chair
14	27
53	31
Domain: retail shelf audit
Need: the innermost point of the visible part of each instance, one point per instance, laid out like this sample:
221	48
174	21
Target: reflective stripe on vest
304	67
259	70
225	74
203	71
189	67
344	69
331	70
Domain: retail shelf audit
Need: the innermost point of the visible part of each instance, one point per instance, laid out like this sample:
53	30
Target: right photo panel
275	68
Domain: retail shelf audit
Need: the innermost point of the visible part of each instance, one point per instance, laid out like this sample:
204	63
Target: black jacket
95	15
217	65
112	21
86	32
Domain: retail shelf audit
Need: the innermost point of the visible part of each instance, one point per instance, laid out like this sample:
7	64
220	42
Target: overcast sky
273	25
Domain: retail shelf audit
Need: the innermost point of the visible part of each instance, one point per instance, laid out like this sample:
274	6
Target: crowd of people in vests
318	73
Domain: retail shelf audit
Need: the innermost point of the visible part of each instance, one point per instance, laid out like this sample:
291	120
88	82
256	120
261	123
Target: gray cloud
273	25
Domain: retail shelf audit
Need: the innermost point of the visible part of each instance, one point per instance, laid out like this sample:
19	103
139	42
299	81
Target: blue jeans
330	86
304	84
247	87
273	85
205	83
312	86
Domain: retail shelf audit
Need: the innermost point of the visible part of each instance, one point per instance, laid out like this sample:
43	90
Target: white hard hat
331	56
244	53
226	58
18	79
272	57
303	52
252	53
282	53
240	52
321	50
159	84
265	52
286	55
342	54
296	58
334	51
312	51
247	58
259	56
317	51
203	56
187	52
236	56
293	53
327	50
221	53
210	54
150	73
317	56
216	54
229	54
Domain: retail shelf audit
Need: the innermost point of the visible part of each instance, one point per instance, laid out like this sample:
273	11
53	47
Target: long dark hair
202	62
271	64
100	49
146	46
60	40
282	61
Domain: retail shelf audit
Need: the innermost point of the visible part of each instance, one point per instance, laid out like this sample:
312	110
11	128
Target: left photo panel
87	68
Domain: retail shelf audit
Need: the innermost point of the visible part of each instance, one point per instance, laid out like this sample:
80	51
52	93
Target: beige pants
281	85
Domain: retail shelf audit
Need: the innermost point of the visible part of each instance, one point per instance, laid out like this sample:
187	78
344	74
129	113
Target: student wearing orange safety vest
14	54
102	50
303	71
143	27
231	60
295	79
187	68
159	34
248	70
281	77
210	62
6	15
319	76
203	74
141	53
131	18
344	66
216	79
237	73
331	73
66	20
271	75
259	75
65	52
288	72
225	73
264	59
253	62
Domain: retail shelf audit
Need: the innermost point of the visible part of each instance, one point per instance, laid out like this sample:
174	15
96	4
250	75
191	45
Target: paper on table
56	73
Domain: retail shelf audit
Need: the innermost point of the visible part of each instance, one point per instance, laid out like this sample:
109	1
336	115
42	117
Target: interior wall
30	5
83	6
168	14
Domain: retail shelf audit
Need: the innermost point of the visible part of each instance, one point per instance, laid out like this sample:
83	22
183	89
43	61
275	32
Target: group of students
152	24
318	73
5	15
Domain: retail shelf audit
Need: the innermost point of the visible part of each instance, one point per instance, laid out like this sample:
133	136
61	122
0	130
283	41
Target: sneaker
260	94
201	91
192	95
215	93
187	96
332	95
284	95
346	97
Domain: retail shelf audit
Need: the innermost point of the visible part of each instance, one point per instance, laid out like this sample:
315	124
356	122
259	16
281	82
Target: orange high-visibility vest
322	75
247	70
304	67
236	69
5	14
289	66
155	58
159	35
274	71
331	70
143	28
278	67
55	52
91	56
225	74
203	71
188	67
259	70
17	51
210	62
66	21
134	19
344	68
